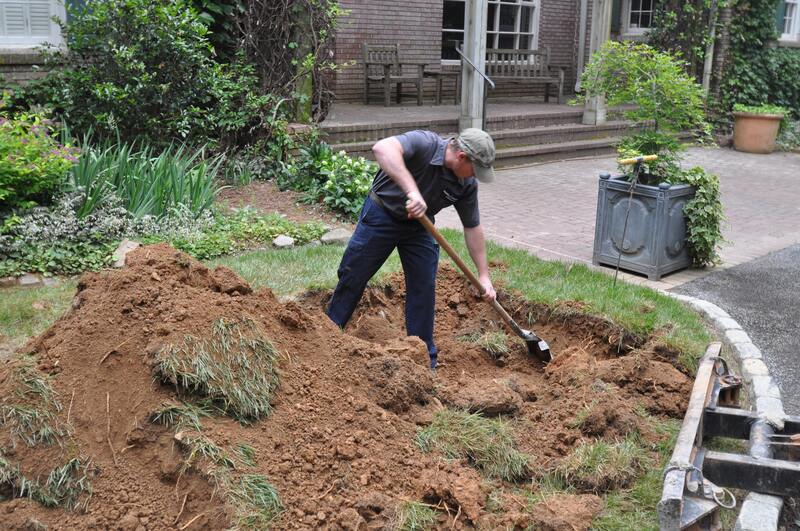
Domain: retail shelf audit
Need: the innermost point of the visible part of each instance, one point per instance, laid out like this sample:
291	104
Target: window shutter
13	20
616	16
779	14
40	19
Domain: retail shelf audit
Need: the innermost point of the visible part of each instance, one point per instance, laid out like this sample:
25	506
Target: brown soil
265	196
339	444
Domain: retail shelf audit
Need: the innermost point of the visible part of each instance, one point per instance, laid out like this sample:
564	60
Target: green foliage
600	466
220	17
763	108
704	217
682	27
487	443
33	164
241	229
348	183
256	501
236	368
341	181
67	486
414	516
789	135
145	69
655	82
758	72
666	168
147	182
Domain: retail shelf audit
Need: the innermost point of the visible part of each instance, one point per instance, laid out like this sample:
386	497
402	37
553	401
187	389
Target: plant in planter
661	218
756	127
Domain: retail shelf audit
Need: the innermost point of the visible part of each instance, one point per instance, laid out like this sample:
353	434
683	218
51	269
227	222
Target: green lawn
27	312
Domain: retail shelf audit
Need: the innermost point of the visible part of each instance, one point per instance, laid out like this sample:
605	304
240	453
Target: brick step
522	138
363	132
521	155
556	134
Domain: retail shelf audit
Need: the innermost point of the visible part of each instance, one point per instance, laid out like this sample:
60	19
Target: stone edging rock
759	512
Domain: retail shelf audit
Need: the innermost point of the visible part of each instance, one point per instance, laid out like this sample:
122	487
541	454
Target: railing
486	81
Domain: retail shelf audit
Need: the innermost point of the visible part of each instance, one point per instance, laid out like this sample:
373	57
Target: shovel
536	346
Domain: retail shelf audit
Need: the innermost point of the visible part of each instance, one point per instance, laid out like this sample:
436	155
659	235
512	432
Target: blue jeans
376	236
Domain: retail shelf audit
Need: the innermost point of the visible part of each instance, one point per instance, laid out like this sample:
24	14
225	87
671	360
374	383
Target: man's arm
389	155
476	244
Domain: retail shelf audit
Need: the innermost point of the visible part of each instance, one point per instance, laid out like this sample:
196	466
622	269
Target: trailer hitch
697	480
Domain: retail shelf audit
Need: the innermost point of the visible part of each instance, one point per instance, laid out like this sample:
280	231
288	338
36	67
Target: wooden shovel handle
466	270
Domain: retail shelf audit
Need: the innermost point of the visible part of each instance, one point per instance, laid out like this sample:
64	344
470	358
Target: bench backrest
501	63
381	54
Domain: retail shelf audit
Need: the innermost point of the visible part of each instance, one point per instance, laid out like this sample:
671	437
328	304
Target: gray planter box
655	240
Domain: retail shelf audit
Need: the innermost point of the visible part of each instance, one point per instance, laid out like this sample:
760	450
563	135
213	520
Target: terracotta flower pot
755	133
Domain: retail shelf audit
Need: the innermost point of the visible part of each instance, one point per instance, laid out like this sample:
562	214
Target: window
637	16
30	22
791	20
510	24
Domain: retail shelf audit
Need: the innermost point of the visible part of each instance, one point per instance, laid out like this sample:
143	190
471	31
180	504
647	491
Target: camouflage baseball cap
479	147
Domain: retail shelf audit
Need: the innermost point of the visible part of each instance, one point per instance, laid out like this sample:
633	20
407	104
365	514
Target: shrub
340	181
348	183
145	69
33	164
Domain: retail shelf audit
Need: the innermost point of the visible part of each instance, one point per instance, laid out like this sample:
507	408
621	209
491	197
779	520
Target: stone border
759	512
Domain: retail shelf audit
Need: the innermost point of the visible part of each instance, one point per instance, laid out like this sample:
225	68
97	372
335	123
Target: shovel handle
634	160
466	270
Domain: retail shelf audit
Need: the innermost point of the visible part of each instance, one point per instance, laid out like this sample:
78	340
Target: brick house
427	30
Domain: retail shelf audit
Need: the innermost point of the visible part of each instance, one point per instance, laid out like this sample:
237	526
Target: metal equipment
696	479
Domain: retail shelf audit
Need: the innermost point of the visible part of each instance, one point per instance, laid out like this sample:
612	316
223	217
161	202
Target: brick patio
549	209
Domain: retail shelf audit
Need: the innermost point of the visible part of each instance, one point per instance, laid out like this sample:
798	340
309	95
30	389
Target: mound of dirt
138	392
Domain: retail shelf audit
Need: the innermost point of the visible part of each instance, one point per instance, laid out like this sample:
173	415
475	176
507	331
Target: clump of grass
487	443
235	368
580	417
67	486
201	447
494	343
246	454
601	466
30	409
256	501
414	516
180	415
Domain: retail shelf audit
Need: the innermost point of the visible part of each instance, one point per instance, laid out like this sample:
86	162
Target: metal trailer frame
692	495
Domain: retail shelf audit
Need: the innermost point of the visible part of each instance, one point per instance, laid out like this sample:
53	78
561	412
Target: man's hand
415	205
489	293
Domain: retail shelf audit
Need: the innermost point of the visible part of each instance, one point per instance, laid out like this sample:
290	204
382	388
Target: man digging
420	174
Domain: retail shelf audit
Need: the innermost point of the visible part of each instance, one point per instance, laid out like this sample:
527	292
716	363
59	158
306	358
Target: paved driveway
764	297
549	209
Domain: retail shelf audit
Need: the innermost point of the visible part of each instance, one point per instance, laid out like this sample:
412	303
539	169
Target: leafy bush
655	82
33	164
146	183
145	69
348	183
704	217
340	181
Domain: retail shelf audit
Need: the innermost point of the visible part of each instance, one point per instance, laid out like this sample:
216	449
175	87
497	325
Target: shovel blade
537	347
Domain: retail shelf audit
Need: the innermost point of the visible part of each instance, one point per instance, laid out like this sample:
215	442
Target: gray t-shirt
423	153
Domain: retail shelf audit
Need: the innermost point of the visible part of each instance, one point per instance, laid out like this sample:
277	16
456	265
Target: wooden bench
525	66
382	65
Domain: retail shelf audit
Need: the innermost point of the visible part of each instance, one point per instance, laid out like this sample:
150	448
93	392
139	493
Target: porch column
472	84
594	110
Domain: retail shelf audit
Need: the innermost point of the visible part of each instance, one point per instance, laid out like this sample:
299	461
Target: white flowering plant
347	183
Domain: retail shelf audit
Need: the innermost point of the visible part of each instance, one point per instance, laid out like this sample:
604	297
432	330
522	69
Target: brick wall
417	24
18	66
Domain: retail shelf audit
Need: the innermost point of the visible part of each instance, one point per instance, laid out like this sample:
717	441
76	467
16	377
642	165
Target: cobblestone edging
759	512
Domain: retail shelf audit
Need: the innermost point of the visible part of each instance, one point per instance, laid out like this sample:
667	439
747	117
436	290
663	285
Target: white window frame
57	9
793	35
627	30
493	30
